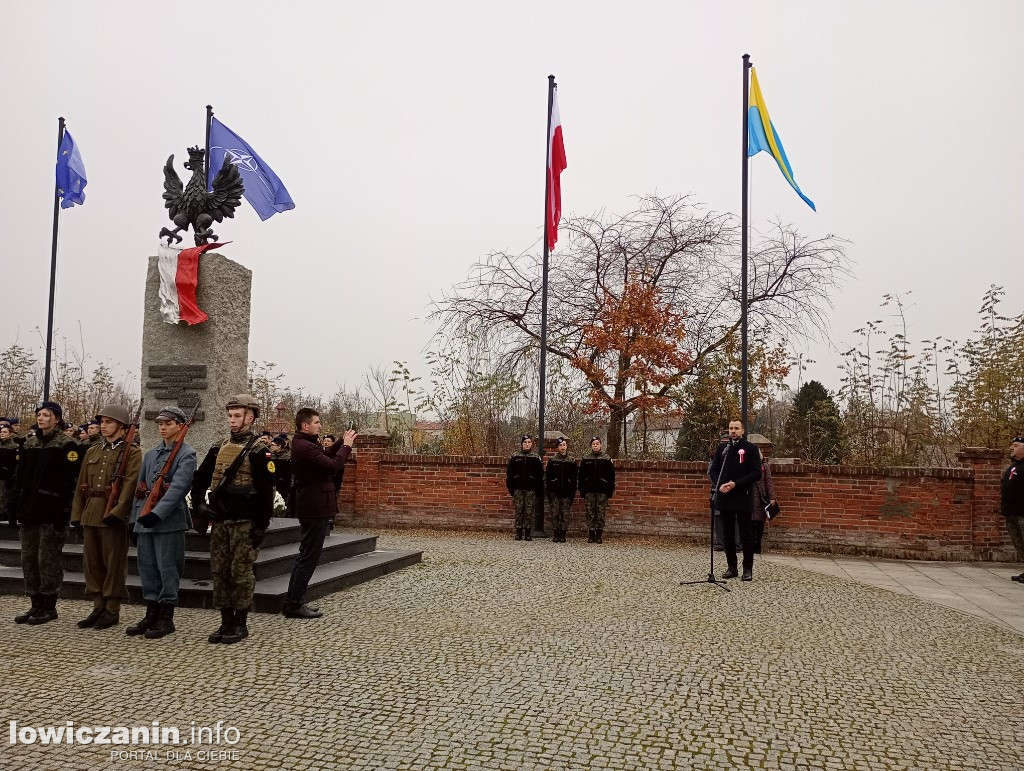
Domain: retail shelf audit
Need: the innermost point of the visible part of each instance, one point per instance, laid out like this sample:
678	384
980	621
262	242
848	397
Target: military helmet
116	412
248	401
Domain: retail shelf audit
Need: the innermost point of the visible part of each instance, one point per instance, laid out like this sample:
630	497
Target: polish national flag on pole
179	276
556	165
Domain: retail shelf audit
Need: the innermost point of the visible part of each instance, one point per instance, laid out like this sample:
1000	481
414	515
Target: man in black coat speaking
316	477
733	472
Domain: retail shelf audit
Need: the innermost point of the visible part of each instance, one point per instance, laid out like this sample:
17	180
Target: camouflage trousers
558	512
231	558
525	504
40	558
597	507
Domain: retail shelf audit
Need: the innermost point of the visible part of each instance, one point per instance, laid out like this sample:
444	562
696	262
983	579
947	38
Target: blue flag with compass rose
263	188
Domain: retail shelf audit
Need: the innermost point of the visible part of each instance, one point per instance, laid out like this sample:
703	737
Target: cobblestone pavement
495	654
983	589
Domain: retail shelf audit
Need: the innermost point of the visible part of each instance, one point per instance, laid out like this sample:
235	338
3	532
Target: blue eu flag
71	179
263	188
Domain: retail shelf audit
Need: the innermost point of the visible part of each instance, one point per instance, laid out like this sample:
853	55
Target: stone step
272	560
282	530
270	592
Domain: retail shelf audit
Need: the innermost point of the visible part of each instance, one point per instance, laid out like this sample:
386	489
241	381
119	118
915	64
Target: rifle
117	481
158	484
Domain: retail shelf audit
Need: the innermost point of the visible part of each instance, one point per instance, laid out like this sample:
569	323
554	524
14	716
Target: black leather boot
107	619
91	619
590	536
164	622
239	631
22	618
227	623
519	533
527	533
147	621
47	610
597	535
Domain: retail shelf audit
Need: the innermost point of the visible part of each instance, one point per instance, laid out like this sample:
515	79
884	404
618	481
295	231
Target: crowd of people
111	494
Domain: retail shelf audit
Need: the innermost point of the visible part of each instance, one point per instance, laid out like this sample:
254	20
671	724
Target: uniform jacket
100	465
250	496
316	476
525	471
283	472
737	461
9	451
597	474
45	480
171	508
561	476
1011	490
764	491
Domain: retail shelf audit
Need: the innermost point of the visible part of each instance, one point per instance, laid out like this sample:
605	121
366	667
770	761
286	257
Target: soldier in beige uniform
105	538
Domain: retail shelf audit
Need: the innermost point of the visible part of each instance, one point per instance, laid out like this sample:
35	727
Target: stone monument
205	362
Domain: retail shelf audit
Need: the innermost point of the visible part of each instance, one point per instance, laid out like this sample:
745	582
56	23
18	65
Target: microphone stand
714	497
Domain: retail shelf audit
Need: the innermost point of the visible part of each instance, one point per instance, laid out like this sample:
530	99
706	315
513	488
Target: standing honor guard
524	477
9	451
597	486
43	488
239	476
100	512
160	519
560	478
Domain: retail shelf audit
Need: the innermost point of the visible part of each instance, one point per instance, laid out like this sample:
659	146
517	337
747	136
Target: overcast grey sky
410	137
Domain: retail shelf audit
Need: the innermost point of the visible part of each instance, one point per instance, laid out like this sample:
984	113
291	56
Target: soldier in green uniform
105	536
93	431
524	478
597	485
44	485
241	504
560	479
9	450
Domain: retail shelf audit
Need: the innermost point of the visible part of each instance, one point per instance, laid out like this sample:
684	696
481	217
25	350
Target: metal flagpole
53	268
743	247
539	517
209	166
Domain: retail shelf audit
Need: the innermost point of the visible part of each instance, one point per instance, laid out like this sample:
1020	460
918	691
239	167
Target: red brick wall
893	512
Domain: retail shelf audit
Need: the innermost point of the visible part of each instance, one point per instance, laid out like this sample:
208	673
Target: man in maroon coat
316	478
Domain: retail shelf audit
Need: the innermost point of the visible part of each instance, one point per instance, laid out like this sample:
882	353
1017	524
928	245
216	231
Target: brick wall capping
903	472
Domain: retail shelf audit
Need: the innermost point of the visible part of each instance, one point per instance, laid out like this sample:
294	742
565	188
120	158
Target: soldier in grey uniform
524	478
240	506
160	534
597	486
41	503
560	479
105	534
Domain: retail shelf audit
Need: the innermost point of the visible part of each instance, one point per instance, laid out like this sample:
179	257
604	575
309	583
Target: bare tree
683	259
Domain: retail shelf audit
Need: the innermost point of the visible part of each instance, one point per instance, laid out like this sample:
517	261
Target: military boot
164	622
227	623
590	536
527	533
561	535
91	619
239	631
22	618
147	621
47	610
597	535
519	533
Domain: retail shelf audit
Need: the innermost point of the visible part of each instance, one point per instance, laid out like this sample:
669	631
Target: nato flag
71	179
263	188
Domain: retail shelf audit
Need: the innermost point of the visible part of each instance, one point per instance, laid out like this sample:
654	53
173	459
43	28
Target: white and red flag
556	165
179	276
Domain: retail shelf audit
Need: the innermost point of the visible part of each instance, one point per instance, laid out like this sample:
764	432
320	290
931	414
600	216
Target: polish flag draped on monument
179	275
556	165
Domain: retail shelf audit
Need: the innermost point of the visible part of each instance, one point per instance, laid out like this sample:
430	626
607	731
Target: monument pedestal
205	363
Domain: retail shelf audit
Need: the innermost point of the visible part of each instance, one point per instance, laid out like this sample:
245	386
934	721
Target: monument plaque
207	362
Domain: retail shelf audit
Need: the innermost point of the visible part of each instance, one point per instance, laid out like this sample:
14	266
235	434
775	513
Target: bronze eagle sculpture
192	204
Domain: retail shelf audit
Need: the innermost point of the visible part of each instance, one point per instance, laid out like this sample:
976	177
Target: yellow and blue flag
761	135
